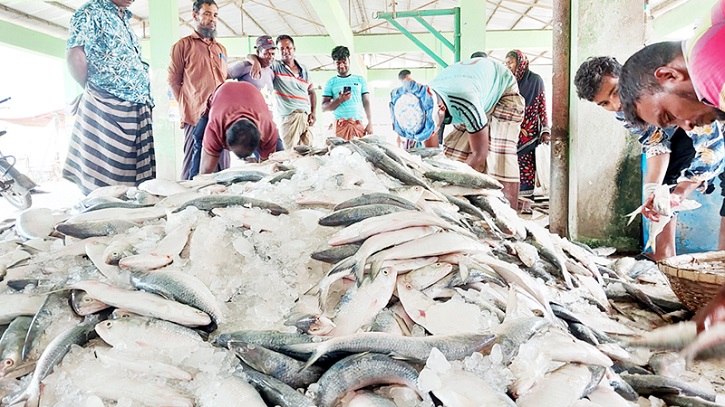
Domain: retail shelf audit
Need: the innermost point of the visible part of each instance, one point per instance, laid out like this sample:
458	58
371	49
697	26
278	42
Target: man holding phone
346	95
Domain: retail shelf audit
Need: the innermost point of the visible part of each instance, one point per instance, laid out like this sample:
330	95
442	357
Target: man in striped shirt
294	96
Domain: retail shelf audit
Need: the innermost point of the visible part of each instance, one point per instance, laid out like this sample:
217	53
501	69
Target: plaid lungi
504	121
295	129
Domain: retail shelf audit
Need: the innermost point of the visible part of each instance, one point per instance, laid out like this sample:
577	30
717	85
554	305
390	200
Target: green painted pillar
473	27
168	137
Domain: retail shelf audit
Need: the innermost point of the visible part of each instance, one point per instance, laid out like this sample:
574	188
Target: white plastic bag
543	169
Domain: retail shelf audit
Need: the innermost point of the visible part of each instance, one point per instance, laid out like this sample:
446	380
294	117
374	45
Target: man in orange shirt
198	66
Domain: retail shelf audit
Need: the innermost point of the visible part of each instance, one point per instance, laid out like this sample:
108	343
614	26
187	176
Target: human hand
476	161
344	96
648	210
369	128
545	137
311	119
256	71
712	313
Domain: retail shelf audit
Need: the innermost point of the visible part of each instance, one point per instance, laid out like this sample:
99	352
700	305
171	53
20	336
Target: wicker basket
695	278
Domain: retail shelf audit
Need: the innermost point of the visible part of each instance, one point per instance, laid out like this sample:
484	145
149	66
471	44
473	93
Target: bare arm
656	168
208	162
313	106
366	106
479	148
329	104
256	71
77	64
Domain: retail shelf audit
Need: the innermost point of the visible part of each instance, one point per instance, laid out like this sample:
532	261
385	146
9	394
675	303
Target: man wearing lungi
112	141
346	95
482	98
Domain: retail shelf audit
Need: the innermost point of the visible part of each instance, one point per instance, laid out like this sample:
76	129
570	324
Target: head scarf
522	65
530	85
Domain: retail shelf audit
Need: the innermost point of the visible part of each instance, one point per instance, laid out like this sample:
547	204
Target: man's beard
206	32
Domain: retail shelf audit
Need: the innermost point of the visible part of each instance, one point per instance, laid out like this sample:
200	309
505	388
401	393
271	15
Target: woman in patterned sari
534	128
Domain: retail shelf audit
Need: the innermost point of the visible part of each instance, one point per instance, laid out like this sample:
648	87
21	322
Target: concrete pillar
605	170
168	138
473	27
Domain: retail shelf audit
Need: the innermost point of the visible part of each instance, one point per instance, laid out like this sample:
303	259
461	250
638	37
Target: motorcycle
15	186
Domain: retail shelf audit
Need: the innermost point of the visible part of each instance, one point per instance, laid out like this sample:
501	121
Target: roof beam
394	43
31	40
332	15
32	18
682	17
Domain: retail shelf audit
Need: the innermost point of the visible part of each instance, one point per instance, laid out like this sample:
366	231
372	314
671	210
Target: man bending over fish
682	83
482	98
684	160
239	121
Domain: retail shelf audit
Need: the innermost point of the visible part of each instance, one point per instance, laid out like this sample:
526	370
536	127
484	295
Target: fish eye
107	324
87	299
408	286
8	362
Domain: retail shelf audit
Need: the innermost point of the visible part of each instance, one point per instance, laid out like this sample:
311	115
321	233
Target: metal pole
559	194
457	34
417	42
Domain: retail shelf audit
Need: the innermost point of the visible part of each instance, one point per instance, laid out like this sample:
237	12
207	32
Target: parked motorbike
15	186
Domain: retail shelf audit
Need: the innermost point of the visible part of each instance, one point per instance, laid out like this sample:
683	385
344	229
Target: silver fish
52	355
146	332
275	364
181	287
377	198
11	344
274	391
209	202
358	371
348	216
83	230
55	316
418	349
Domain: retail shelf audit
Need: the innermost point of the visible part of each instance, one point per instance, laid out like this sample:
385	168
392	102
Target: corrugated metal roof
298	18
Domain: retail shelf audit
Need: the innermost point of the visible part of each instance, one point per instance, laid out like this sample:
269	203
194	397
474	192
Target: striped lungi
504	121
111	143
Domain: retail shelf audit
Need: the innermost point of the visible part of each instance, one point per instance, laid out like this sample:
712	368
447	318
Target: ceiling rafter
528	3
309	14
526	13
546	23
385	22
280	11
279	14
240	6
495	9
31	17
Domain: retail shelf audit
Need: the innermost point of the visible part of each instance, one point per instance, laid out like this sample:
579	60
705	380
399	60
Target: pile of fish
357	274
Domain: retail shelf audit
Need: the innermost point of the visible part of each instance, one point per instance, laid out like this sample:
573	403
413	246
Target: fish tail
316	355
634	214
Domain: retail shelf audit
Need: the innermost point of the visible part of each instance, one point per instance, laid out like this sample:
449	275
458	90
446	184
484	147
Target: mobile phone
346	89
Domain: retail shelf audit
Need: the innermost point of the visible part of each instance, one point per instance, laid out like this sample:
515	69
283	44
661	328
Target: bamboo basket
695	278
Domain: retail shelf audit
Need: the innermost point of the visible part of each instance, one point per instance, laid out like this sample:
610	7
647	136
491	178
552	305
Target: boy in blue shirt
347	96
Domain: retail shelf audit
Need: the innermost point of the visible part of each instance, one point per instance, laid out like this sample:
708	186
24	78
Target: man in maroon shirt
239	121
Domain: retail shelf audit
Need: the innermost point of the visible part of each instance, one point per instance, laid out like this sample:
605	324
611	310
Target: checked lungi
505	120
111	143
